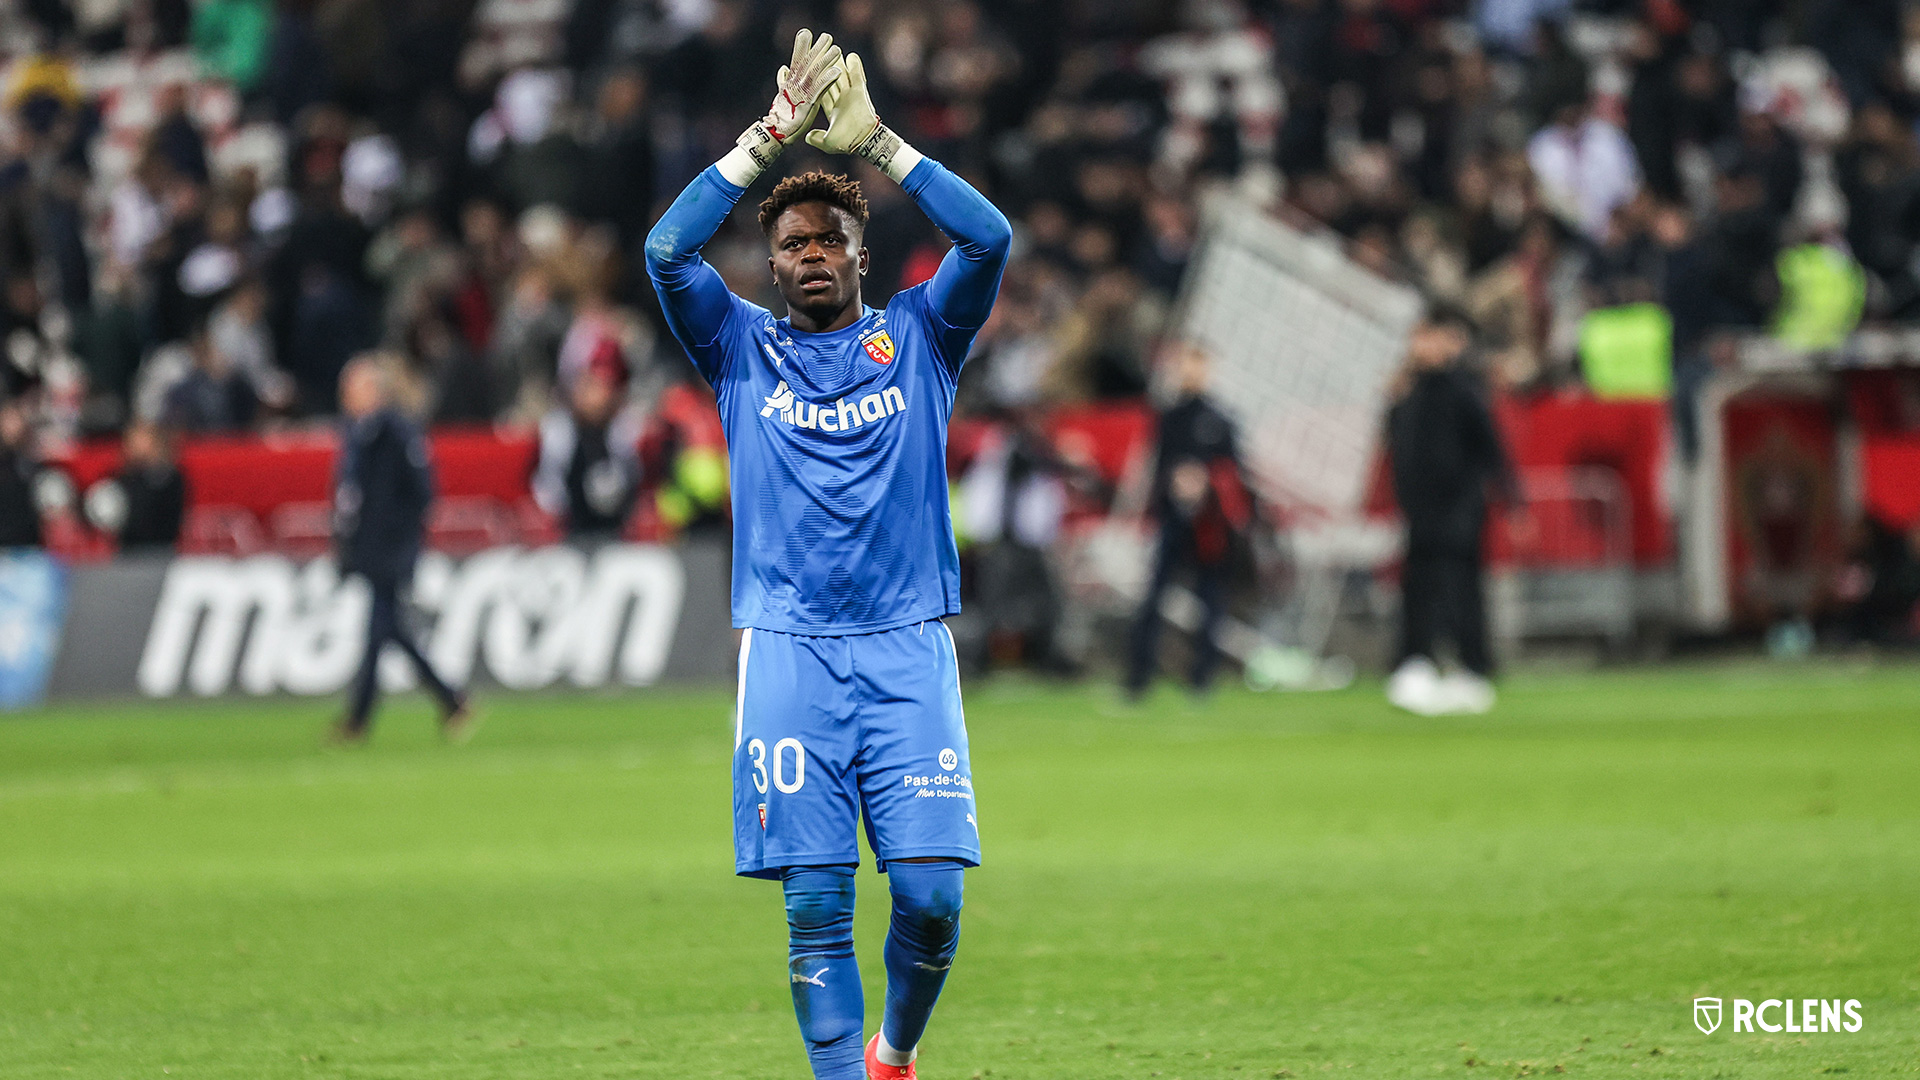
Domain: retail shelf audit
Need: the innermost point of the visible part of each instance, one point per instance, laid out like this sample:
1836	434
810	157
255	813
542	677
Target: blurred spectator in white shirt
1585	166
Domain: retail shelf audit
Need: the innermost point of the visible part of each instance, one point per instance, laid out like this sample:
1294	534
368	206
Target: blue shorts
828	730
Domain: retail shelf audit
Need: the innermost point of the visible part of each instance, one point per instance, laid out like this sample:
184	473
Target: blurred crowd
207	208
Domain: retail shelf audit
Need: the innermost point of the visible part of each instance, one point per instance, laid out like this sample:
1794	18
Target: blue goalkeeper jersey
836	442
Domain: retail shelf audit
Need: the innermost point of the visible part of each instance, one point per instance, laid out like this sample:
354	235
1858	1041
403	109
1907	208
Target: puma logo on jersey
843	415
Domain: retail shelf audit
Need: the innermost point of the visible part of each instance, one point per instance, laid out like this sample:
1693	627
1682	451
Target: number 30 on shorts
757	750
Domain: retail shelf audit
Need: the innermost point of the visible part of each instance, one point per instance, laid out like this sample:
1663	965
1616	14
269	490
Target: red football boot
878	1071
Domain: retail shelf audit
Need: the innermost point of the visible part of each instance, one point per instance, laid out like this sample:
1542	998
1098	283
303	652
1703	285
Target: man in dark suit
1447	458
1203	507
383	485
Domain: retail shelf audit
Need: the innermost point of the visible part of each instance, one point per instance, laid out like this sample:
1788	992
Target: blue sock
920	945
825	977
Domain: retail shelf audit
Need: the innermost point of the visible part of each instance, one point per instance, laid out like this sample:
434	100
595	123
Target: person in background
239	333
1202	506
1014	500
233	39
1585	165
1879	584
1445	454
619	163
155	492
383	485
212	397
107	339
526	342
589	467
19	516
330	325
463	383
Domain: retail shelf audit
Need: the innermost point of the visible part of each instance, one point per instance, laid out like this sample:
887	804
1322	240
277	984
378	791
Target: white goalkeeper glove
854	128
816	66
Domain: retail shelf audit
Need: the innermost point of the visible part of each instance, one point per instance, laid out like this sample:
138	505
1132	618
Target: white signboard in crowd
1305	343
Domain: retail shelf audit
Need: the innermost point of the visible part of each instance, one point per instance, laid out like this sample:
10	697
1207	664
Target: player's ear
774	270
863	262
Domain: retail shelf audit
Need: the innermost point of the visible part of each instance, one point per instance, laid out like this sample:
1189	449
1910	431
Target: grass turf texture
1266	886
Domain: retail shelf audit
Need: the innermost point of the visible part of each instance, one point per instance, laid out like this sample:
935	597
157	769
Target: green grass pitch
1264	886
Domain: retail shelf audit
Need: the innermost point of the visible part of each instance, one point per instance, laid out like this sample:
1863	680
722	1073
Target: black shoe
347	733
458	726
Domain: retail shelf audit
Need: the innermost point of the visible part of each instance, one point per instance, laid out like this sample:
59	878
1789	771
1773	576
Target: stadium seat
464	524
302	529
221	530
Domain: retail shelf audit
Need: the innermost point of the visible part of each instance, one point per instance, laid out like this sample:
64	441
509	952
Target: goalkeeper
843	558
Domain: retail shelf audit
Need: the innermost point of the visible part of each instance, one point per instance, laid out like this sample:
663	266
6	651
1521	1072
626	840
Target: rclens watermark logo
1799	1015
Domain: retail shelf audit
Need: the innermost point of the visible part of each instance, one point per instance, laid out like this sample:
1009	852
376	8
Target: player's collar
855	327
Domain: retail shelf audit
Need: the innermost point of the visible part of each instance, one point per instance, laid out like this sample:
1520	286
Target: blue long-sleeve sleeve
963	289
695	299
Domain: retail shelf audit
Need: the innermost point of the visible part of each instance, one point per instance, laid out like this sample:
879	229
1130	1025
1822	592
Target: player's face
817	261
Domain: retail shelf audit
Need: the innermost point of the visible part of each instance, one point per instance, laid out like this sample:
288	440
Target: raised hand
816	65
852	125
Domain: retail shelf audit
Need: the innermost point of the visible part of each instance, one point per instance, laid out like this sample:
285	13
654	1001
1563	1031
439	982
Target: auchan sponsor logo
845	414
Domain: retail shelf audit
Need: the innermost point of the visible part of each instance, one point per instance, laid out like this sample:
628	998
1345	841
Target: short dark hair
830	188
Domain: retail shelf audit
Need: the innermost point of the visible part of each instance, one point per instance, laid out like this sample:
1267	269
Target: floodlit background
1687	236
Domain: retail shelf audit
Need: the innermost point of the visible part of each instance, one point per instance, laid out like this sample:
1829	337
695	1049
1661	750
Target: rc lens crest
879	346
1706	1014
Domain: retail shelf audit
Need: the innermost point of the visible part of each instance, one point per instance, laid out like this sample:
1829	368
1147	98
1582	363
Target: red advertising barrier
270	484
1105	436
260	474
1572	436
249	493
1573	431
1886	406
1891	464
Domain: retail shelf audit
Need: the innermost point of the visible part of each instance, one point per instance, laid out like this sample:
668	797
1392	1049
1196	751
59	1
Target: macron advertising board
521	618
